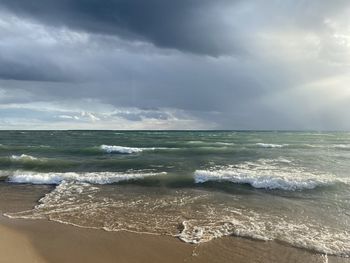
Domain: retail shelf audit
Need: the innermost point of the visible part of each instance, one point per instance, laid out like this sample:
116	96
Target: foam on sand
203	217
249	224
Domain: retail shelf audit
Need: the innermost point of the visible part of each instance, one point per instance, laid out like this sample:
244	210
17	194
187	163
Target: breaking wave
23	157
120	149
89	177
307	235
268	174
271	145
342	146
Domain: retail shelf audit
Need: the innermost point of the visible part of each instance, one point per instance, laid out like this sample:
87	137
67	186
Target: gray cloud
29	69
187	25
199	26
220	64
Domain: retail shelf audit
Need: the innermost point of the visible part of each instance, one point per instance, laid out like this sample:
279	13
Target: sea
289	187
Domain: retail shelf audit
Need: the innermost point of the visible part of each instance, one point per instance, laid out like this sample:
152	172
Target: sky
184	64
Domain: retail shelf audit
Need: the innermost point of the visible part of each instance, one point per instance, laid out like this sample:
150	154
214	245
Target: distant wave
196	142
271	145
89	177
129	150
23	157
225	143
23	146
208	143
329	146
119	149
268	174
342	146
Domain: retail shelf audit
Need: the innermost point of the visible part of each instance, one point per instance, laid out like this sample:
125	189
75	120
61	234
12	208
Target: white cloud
43	115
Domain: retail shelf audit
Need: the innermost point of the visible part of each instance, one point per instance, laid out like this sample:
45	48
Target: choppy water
293	187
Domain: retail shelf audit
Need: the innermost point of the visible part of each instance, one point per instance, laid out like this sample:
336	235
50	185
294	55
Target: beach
49	242
43	241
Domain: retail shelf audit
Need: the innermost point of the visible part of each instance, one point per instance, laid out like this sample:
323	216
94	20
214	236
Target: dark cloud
187	25
30	69
251	64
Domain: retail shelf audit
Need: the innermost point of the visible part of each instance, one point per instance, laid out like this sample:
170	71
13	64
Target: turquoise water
197	185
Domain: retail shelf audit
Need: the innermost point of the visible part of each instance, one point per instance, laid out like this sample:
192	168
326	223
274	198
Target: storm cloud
193	26
183	64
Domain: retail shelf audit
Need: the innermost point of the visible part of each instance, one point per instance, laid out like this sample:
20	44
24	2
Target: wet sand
43	241
37	241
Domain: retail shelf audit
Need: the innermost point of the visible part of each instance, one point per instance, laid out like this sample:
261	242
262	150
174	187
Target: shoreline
47	241
43	241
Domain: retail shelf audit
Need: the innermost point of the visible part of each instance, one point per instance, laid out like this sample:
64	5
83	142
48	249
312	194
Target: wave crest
271	145
120	149
23	157
257	226
90	177
268	174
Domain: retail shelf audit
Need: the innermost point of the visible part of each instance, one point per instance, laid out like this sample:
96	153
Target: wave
225	143
209	143
342	146
14	147
4	174
268	174
271	145
119	149
131	150
23	157
196	142
88	177
249	224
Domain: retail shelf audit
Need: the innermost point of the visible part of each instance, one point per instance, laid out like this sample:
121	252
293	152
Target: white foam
203	218
4	173
91	177
120	149
342	146
208	143
249	224
271	145
269	174
196	142
23	157
225	143
130	150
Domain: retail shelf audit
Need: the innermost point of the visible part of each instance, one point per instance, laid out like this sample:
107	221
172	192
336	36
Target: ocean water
292	187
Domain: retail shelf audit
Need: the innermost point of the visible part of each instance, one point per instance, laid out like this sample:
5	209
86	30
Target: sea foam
89	177
271	145
23	157
203	217
120	149
268	174
258	226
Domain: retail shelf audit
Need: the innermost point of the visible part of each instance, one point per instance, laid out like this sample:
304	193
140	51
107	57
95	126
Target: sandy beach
41	241
44	241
